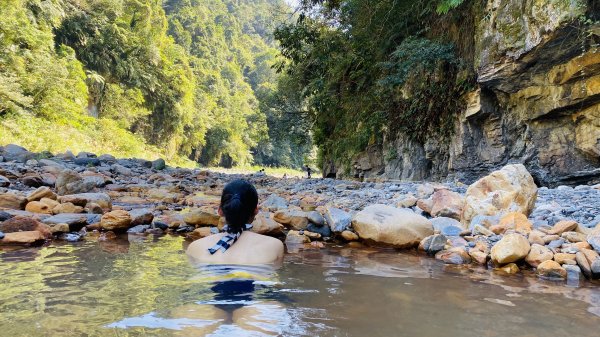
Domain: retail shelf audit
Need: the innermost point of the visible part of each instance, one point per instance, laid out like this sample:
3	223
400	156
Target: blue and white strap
228	239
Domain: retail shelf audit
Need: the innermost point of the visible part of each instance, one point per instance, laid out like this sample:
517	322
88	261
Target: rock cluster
502	221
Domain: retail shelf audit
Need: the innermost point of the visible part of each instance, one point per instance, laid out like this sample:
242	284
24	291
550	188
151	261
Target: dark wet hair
238	202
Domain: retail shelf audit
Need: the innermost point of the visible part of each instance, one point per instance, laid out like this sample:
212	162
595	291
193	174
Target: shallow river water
147	287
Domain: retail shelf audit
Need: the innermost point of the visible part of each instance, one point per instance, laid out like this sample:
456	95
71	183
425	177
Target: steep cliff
536	102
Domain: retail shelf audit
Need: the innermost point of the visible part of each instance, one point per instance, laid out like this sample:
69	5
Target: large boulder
391	226
511	248
25	224
510	189
203	216
264	224
22	238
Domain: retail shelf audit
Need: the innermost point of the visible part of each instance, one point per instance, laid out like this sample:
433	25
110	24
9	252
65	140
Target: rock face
391	226
510	189
537	101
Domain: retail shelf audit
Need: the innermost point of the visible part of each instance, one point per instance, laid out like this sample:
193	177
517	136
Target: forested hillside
182	78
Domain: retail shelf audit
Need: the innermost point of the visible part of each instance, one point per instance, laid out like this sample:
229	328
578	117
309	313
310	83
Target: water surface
147	287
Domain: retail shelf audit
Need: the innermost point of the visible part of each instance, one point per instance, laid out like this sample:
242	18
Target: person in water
237	245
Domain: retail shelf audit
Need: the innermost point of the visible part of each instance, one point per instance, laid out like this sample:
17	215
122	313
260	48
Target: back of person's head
238	204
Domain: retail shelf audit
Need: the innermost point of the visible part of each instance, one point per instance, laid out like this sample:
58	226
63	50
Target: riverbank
502	222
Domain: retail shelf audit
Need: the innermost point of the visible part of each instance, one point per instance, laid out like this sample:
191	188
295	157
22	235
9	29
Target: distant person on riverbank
308	171
237	245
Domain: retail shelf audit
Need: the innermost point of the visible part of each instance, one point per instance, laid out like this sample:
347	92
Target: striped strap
228	240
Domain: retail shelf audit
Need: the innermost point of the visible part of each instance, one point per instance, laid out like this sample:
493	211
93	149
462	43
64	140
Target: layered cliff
536	100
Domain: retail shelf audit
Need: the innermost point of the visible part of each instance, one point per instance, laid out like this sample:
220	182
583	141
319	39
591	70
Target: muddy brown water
147	287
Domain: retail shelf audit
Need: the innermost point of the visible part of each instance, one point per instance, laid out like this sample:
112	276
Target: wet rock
454	256
324	231
22	238
71	237
202	232
584	264
297	220
551	270
24	224
201	217
12	201
59	228
511	248
510	189
115	220
70	182
4	182
38	207
1	235
392	226
40	193
294	238
141	216
510	269
433	244
337	219
139	229
349	236
447	204
574	275
264	224
538	254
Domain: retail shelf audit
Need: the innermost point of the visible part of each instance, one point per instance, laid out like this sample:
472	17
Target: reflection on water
149	288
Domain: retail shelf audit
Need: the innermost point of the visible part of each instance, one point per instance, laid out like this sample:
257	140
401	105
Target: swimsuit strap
228	239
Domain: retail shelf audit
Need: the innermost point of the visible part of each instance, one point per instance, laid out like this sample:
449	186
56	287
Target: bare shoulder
266	240
201	245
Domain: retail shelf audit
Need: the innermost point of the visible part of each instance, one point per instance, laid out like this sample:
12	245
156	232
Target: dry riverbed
503	222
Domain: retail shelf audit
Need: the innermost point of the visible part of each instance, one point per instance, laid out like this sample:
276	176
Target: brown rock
294	237
12	201
69	182
408	201
511	248
38	207
515	221
574	236
582	245
550	238
426	205
50	202
583	263
454	255
93	208
60	228
25	224
40	193
200	233
561	258
563	226
536	237
478	256
447	203
296	220
510	268
264	224
115	220
67	208
510	189
538	254
349	236
22	238
551	269
204	216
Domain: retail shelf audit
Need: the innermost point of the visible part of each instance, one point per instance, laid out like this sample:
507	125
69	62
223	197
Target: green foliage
446	5
191	77
366	72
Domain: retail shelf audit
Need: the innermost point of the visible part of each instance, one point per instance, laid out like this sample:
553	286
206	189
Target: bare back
250	248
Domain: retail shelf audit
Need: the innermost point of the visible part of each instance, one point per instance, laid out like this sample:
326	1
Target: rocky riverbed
503	222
